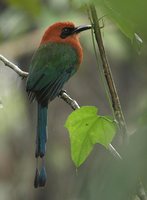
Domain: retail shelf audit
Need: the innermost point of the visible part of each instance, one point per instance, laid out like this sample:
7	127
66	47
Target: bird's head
63	32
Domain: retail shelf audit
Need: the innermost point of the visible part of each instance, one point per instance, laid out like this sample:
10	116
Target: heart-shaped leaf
86	129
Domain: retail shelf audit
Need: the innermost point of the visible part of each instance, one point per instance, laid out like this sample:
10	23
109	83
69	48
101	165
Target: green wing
52	65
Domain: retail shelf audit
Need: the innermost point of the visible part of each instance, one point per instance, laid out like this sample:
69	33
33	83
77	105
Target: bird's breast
69	42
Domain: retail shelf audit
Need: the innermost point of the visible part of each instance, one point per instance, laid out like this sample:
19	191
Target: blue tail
41	137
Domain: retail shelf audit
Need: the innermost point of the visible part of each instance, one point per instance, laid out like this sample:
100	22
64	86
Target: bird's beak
81	28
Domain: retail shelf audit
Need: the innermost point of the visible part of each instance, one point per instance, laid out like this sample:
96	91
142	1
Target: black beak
67	31
81	28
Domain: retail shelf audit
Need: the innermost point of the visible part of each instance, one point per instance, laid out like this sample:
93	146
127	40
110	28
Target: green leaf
86	129
127	15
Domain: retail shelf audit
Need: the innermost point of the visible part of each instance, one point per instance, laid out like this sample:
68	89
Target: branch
108	75
63	95
14	67
71	102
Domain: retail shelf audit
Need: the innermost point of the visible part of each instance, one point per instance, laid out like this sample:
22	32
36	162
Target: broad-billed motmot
58	58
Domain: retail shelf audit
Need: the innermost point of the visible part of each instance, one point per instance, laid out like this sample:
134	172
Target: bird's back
52	65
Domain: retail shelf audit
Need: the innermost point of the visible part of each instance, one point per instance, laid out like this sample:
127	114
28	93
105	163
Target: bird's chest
63	55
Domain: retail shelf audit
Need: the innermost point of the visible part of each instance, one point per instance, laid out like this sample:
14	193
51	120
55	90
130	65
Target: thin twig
108	75
14	67
63	95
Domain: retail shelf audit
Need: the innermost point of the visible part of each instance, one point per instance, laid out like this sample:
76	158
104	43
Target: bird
56	60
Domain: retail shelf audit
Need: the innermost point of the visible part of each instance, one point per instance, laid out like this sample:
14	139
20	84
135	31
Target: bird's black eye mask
66	31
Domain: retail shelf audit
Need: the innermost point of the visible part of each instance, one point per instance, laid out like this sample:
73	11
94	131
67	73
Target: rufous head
63	32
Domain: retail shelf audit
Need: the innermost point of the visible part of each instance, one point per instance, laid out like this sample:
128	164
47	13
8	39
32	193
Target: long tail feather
41	137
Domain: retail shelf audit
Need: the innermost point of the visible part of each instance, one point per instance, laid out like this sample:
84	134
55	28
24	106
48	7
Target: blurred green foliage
33	7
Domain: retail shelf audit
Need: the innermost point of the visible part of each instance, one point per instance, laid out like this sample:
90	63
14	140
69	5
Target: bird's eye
66	32
65	29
